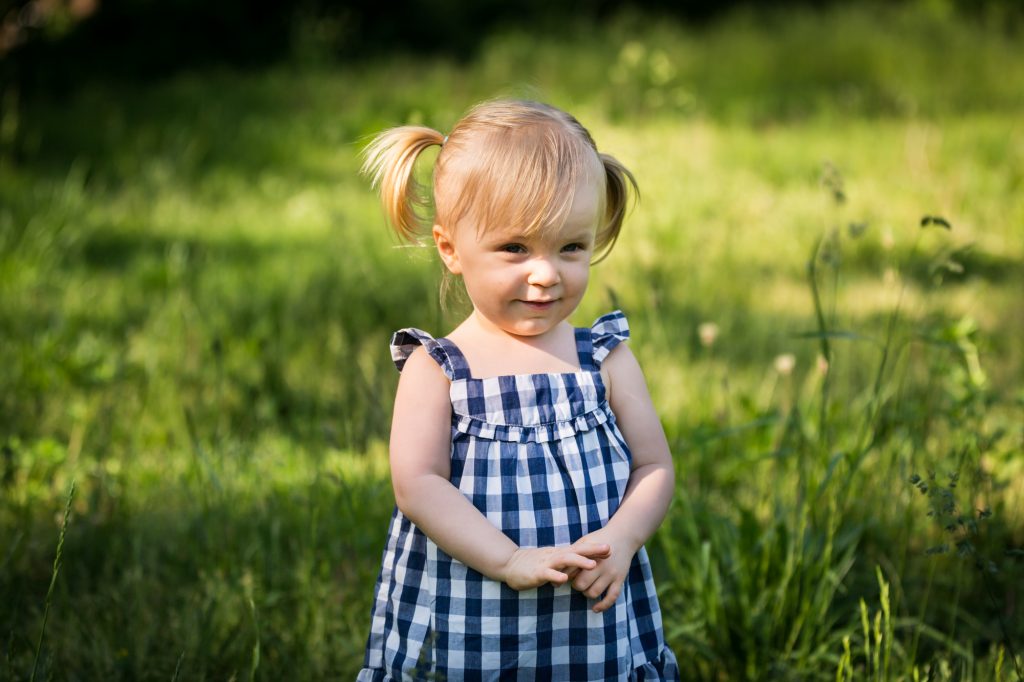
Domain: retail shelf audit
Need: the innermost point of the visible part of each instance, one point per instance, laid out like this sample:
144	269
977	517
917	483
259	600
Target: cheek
579	273
491	279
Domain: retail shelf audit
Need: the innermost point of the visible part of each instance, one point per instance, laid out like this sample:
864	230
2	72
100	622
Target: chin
532	328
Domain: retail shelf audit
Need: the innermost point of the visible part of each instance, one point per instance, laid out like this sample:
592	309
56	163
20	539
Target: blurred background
823	279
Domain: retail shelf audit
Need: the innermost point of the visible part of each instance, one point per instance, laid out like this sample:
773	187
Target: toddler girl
528	463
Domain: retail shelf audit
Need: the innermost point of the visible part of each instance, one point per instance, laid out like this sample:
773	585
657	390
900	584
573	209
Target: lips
540	305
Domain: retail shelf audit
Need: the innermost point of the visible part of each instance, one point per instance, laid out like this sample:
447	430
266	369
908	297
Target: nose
543	273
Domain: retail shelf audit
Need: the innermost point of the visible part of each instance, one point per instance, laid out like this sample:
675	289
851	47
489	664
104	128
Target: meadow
823	278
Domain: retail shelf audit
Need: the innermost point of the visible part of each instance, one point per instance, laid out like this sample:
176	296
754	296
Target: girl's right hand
530	567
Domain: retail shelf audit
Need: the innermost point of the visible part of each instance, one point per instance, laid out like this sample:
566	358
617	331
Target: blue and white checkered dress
540	455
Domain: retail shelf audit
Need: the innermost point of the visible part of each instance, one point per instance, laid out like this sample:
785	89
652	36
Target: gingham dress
540	455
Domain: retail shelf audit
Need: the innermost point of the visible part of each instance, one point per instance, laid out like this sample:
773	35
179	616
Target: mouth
539	305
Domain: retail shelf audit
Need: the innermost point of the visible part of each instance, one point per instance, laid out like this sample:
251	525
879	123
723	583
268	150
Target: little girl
528	463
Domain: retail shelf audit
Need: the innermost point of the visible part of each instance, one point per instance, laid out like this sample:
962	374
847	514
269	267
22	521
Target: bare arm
652	480
650	486
420	475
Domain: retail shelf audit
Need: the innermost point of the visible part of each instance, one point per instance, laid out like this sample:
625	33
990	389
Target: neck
487	329
491	351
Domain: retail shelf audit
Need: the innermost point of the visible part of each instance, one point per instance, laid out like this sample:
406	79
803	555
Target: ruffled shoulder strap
444	352
607	332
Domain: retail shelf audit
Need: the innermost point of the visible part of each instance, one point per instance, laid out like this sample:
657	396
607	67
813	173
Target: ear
446	248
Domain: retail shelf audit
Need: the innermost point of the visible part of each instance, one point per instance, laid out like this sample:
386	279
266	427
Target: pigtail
620	184
389	162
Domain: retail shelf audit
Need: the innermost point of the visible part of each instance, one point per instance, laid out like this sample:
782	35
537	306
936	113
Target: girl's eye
513	248
572	248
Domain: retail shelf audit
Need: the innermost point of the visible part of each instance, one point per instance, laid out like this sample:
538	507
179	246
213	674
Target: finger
578	560
609	598
584	581
598	588
571	572
554	577
594	550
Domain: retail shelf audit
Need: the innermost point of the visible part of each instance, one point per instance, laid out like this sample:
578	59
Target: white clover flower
785	363
708	332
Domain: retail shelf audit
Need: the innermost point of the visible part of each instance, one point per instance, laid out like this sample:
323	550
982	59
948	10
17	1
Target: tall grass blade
256	645
53	580
177	666
823	334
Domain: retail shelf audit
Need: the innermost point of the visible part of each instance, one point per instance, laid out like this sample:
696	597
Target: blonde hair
507	162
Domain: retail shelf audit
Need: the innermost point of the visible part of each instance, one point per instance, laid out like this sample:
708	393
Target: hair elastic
444	141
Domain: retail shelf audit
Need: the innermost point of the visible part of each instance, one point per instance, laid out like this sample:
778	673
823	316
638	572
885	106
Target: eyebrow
583	236
580	236
506	237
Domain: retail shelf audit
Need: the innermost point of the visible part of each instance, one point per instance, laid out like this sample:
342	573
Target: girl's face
526	285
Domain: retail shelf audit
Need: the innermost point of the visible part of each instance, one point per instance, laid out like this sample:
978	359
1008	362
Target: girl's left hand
610	573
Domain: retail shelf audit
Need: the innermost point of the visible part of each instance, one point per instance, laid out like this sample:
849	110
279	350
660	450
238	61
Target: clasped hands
597	564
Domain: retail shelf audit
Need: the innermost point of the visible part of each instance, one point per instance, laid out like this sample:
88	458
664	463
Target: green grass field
197	291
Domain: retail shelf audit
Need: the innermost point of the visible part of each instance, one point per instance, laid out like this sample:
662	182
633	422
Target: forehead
577	218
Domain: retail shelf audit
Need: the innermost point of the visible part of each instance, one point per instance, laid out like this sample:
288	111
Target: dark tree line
51	44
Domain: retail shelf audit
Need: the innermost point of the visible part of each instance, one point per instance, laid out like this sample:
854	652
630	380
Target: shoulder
621	358
621	372
423	387
423	400
421	369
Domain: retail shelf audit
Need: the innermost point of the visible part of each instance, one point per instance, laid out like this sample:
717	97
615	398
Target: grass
196	292
53	580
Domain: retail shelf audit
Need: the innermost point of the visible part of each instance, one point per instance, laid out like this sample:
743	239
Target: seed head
785	363
708	332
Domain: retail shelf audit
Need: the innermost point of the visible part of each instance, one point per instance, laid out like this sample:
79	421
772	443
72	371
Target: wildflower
822	364
708	332
888	241
785	363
